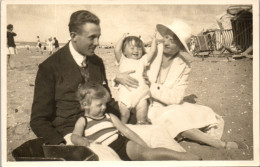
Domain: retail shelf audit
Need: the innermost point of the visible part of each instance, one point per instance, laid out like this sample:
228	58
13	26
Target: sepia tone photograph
188	96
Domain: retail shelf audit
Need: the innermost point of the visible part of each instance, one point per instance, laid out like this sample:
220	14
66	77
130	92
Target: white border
254	162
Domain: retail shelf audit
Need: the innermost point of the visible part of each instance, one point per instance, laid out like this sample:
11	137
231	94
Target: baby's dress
133	97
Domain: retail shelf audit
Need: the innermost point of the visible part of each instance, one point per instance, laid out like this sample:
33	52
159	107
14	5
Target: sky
49	20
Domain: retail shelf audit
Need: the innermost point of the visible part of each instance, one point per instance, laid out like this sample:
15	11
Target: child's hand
85	142
125	35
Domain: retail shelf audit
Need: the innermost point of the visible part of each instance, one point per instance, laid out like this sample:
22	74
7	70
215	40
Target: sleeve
171	95
43	107
121	59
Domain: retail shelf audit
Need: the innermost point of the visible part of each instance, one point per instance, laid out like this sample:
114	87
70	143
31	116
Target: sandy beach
225	86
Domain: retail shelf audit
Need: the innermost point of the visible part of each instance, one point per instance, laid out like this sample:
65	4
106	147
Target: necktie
84	69
84	62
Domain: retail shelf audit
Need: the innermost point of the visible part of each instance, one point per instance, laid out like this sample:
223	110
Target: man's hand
125	79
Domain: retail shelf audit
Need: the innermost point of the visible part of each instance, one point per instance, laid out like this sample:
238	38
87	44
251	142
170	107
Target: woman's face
171	44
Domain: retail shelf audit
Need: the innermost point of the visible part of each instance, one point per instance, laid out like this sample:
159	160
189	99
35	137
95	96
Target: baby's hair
91	90
138	43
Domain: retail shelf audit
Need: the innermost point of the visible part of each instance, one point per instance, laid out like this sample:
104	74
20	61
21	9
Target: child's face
97	107
131	51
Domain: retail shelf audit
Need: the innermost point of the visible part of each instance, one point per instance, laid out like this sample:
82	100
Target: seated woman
168	75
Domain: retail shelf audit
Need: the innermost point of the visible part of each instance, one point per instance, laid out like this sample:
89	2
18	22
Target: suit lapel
94	71
69	67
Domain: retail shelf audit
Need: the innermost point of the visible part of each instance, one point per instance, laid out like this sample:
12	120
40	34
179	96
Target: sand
225	86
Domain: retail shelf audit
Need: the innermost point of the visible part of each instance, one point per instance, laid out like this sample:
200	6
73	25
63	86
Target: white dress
169	111
132	97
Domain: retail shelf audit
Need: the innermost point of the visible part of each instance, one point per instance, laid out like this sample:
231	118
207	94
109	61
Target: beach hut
232	32
242	26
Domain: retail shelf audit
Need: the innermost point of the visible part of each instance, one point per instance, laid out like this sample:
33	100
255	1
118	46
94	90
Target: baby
100	127
130	55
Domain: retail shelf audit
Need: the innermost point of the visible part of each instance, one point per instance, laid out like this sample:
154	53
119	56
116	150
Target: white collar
76	55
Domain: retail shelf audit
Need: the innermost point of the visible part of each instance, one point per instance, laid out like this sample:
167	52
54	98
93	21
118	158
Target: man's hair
79	18
91	90
9	26
138	42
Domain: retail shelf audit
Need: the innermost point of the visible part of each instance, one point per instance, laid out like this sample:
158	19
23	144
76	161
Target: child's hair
138	43
91	90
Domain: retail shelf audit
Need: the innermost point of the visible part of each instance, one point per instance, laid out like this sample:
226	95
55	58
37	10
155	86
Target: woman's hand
126	80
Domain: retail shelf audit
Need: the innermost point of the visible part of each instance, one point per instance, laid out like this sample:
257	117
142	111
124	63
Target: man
11	47
55	108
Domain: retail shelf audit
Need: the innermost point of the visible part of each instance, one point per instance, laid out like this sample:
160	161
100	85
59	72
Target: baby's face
97	107
132	51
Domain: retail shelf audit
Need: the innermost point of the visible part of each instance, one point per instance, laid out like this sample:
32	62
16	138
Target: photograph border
254	162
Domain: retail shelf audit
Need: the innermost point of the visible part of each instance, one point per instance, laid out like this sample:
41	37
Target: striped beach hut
242	26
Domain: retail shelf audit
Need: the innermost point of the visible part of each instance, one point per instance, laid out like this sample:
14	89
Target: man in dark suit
55	108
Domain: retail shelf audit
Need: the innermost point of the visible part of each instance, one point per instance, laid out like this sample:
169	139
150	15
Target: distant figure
50	45
39	45
11	47
56	44
28	48
45	45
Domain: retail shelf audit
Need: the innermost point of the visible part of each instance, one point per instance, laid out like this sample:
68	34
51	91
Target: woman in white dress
168	77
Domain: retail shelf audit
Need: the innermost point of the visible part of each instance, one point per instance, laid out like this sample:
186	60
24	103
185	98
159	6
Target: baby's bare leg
141	111
125	112
137	152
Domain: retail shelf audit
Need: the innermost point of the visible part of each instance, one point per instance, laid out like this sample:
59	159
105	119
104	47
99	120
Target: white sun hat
179	28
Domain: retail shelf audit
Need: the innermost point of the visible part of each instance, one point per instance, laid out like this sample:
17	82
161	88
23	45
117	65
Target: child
100	127
130	55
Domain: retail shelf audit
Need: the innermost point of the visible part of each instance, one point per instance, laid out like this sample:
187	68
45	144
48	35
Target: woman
168	76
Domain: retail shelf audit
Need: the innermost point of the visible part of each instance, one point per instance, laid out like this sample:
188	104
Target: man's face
86	41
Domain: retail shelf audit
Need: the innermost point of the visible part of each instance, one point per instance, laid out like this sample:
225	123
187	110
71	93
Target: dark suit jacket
55	108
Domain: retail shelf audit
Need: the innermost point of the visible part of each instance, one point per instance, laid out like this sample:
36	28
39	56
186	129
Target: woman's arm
77	137
126	131
118	48
171	95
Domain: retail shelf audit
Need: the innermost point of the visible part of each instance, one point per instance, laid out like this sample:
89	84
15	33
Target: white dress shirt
76	55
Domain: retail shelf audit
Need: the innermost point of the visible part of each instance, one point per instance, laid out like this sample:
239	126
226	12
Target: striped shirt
101	130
